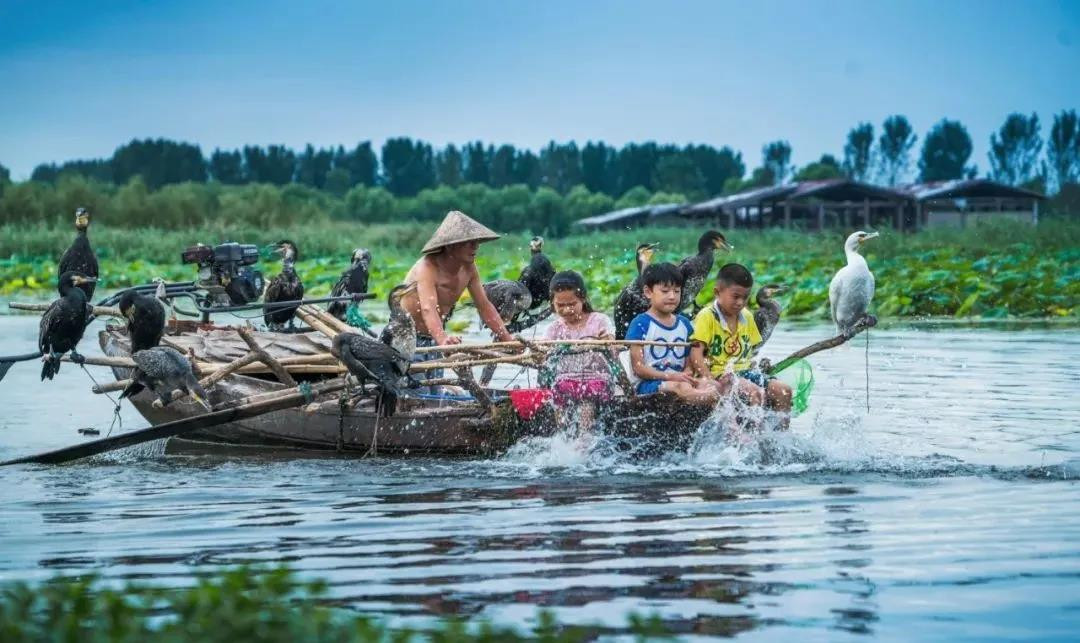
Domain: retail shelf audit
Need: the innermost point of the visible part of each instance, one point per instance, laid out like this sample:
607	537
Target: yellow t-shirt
721	345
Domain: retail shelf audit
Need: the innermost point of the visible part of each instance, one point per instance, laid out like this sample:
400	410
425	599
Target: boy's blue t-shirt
662	358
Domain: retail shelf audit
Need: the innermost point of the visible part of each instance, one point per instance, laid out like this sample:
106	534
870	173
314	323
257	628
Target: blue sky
81	78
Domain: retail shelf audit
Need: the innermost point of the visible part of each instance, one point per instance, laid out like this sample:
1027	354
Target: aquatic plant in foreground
241	604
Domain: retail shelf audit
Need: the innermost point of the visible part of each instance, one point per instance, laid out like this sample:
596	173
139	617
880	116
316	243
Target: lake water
950	511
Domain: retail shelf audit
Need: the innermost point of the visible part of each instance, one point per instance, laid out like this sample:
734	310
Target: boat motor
226	272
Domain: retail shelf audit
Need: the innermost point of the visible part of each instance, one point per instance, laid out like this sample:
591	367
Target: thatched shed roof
629	216
966	189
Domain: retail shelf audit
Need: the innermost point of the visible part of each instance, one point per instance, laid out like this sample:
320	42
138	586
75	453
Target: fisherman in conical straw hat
442	275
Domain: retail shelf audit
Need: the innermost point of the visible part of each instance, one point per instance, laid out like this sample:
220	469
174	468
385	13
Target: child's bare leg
778	398
691	394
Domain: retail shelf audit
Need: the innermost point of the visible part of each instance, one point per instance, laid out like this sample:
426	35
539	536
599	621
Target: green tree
679	174
598	168
776	158
5	174
827	167
338	181
360	163
580	203
716	166
275	165
448	169
1014	150
894	150
408	166
159	161
227	167
478	163
945	153
1063	150
368	205
636	164
858	152
560	166
313	165
502	166
632	198
527	169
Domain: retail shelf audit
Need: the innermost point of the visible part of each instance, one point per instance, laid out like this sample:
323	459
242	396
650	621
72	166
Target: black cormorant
695	269
767	315
852	289
63	323
631	301
537	275
353	281
145	319
286	286
382	362
510	298
164	369
79	257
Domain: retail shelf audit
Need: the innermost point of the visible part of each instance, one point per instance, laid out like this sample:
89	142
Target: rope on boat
305	390
116	403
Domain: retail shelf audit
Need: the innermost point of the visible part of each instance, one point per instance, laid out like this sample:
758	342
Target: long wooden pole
99	311
287	399
866	322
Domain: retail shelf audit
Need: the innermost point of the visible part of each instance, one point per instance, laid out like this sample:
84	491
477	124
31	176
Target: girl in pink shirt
581	379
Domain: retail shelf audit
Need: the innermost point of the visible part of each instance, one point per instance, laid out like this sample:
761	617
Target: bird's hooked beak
868	236
198	398
406	290
720	243
780	289
82	220
79	280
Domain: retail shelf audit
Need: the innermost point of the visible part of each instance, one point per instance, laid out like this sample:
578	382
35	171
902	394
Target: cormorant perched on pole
63	323
631	301
286	286
852	289
79	257
695	269
538	273
145	319
767	315
354	281
382	362
164	369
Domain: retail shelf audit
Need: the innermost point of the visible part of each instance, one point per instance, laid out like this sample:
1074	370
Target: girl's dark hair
572	281
662	273
734	274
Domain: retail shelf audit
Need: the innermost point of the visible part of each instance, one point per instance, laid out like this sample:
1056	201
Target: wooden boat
350	426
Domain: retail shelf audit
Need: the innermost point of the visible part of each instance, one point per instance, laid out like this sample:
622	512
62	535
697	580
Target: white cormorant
852	288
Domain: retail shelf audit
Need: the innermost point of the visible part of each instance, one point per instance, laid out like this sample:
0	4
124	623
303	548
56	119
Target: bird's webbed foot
75	358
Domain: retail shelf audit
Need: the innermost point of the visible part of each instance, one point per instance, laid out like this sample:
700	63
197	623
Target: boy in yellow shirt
724	354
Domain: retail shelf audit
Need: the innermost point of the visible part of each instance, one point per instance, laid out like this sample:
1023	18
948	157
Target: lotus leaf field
992	270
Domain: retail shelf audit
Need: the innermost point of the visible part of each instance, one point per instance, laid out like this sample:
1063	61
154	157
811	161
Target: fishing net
355	318
800	377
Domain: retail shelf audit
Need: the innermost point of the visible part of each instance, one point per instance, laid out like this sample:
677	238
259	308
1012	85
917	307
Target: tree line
405	167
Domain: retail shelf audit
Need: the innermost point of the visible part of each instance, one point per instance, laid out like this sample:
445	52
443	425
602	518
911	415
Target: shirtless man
442	275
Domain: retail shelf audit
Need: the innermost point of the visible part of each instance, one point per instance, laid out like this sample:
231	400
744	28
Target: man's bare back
441	278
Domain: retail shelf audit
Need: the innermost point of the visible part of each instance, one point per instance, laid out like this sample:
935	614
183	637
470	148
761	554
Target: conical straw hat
457	227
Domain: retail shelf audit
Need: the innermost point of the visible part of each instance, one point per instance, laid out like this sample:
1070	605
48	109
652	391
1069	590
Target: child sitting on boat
660	366
724	335
581	379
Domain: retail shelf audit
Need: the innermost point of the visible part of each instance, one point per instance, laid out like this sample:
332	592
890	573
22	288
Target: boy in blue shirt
658	368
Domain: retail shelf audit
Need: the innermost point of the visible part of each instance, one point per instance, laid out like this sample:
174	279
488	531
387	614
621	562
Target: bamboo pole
119	362
316	323
866	322
264	357
624	343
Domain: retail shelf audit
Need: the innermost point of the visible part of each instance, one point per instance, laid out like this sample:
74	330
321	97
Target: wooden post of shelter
866	213
787	214
1034	212
731	218
898	221
821	216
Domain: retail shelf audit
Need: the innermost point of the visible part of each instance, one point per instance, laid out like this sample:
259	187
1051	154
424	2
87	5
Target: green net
800	377
355	318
